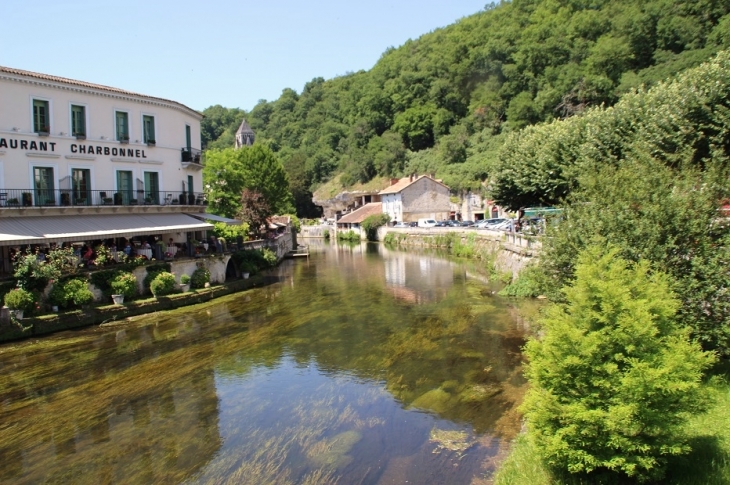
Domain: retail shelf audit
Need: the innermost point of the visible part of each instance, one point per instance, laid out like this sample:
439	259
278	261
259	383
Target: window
81	186
148	125
124	194
41	118
151	188
122	126
78	120
43	185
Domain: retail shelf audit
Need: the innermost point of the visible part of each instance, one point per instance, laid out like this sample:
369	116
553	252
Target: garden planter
18	314
185	288
118	299
245	276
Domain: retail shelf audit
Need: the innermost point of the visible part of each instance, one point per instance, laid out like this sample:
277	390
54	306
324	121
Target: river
359	365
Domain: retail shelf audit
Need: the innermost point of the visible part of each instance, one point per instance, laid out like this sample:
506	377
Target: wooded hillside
444	102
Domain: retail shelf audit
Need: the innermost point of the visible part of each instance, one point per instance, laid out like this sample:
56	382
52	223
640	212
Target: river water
360	365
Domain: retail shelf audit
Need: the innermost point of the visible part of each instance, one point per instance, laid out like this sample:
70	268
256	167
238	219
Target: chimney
410	178
394	181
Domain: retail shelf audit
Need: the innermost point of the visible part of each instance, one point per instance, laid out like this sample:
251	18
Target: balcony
26	198
192	158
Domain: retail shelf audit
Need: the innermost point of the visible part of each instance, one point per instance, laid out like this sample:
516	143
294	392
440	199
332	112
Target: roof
356	217
31	230
244	128
215	218
405	182
84	84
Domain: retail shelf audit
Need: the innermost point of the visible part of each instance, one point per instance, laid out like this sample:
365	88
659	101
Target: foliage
185	279
372	223
350	235
228	172
19	299
295	222
230	233
103	256
615	376
529	283
199	278
70	292
219	125
33	274
152	271
251	261
163	284
326	233
124	284
442	102
255	210
269	257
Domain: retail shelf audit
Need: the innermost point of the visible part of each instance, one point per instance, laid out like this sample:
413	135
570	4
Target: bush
124	284
531	282
68	293
163	284
19	299
326	233
153	271
185	279
615	376
269	257
200	277
372	223
250	259
350	235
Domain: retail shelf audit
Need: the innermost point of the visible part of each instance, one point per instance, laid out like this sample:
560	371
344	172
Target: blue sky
202	53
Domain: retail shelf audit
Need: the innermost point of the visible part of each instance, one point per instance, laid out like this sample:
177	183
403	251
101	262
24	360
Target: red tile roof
83	84
356	217
403	183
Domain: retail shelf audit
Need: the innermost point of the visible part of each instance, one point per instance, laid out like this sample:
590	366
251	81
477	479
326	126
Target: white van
426	223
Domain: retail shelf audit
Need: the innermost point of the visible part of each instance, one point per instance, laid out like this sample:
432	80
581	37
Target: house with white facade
411	198
82	161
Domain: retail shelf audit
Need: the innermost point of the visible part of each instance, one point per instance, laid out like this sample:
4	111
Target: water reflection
359	365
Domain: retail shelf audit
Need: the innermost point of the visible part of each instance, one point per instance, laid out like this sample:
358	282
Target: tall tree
228	172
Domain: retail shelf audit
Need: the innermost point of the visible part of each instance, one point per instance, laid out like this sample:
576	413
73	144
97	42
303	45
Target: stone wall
425	198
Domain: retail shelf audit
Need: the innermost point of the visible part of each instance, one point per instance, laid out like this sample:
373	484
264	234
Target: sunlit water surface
358	366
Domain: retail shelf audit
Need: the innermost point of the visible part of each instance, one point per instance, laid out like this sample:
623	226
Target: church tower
245	135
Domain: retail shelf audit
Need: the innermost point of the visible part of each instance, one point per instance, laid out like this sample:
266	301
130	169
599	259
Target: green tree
615	376
255	210
228	172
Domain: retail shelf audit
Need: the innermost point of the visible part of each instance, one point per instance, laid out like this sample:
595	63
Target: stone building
412	198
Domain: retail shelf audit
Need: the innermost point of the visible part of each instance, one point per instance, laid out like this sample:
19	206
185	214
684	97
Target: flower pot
245	276
205	246
185	288
54	308
18	314
118	299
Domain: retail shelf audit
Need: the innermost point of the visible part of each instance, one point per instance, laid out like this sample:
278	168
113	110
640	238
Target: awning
215	218
34	230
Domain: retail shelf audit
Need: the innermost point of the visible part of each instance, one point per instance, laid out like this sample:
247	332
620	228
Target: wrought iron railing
192	155
23	198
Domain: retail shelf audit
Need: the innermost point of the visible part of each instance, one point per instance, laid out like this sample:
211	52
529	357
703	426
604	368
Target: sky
203	53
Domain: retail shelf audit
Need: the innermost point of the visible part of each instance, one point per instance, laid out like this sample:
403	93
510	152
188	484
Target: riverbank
102	314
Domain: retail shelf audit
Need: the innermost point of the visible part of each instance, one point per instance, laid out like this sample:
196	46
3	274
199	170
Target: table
145	252
172	250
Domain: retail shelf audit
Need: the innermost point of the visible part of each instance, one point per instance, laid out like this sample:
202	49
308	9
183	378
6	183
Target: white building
82	162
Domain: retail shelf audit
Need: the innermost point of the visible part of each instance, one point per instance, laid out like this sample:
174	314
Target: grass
707	464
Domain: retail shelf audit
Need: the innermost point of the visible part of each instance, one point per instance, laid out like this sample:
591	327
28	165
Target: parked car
401	225
426	223
446	223
490	223
467	223
413	224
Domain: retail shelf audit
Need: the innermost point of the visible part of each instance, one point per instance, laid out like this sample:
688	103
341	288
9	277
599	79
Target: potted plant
123	285
80	136
151	142
27	199
117	198
185	283
19	300
13	201
45	131
124	139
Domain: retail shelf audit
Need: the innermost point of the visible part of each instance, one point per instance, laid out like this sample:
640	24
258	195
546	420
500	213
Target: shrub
19	299
326	233
163	284
152	272
372	223
531	282
185	279
200	277
269	257
68	293
124	284
615	376
350	235
251	259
